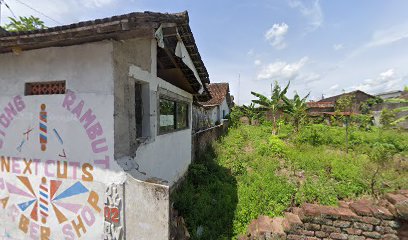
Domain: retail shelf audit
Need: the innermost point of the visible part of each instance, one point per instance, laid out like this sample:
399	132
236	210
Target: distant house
319	108
388	95
219	105
358	98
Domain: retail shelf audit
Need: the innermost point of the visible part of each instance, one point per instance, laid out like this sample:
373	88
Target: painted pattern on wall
55	178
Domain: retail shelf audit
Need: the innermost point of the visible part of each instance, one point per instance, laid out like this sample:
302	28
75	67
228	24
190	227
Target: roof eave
132	25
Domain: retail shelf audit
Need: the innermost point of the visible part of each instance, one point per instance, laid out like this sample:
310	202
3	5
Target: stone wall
202	139
357	220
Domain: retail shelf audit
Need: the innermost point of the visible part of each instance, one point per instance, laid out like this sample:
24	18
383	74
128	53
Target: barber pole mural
43	200
61	184
43	127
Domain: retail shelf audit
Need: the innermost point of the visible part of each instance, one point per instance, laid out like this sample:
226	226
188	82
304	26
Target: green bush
277	146
249	173
317	190
234	116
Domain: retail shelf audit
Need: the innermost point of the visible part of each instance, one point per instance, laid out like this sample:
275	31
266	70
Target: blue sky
323	47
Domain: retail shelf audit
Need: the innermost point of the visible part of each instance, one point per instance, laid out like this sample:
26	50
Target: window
167	118
140	125
45	88
173	115
138	110
182	115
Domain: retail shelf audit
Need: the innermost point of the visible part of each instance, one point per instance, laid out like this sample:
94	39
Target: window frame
176	99
146	134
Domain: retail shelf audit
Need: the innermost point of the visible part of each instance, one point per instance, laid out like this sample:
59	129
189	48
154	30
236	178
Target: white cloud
65	12
338	47
387	74
276	35
309	77
313	12
257	62
96	3
334	87
385	81
280	70
388	36
383	37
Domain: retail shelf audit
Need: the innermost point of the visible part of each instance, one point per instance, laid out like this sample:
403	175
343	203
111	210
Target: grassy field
250	172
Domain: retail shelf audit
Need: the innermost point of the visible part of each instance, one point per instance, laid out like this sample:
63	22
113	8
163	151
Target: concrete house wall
57	190
107	167
156	157
216	113
224	109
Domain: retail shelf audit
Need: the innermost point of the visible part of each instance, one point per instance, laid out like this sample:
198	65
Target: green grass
249	172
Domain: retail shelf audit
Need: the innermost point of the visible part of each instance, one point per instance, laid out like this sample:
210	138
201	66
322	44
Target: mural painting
56	167
112	212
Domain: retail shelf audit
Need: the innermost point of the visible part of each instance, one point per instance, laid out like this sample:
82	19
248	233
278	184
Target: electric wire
25	4
7	6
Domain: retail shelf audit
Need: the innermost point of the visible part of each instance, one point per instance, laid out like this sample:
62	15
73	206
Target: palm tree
272	104
296	108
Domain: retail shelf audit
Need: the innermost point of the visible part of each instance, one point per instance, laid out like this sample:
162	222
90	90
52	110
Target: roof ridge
180	17
119	27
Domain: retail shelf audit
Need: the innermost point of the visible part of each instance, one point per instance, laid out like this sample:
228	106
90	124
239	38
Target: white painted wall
224	106
162	157
216	113
213	113
147	217
88	71
86	68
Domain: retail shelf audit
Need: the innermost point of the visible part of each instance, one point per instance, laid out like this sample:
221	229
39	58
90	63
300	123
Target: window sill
141	140
172	131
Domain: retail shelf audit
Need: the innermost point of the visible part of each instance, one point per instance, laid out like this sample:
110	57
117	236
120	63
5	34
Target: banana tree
24	24
272	104
251	112
296	109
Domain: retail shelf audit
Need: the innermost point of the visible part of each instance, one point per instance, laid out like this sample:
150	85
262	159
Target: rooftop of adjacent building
174	27
218	92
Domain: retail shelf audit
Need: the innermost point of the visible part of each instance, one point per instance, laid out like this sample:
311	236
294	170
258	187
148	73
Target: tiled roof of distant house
320	108
330	113
334	98
218	92
389	92
320	104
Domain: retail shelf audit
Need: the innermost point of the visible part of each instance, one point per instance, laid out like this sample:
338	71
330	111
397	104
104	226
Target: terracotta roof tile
218	92
320	104
353	93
